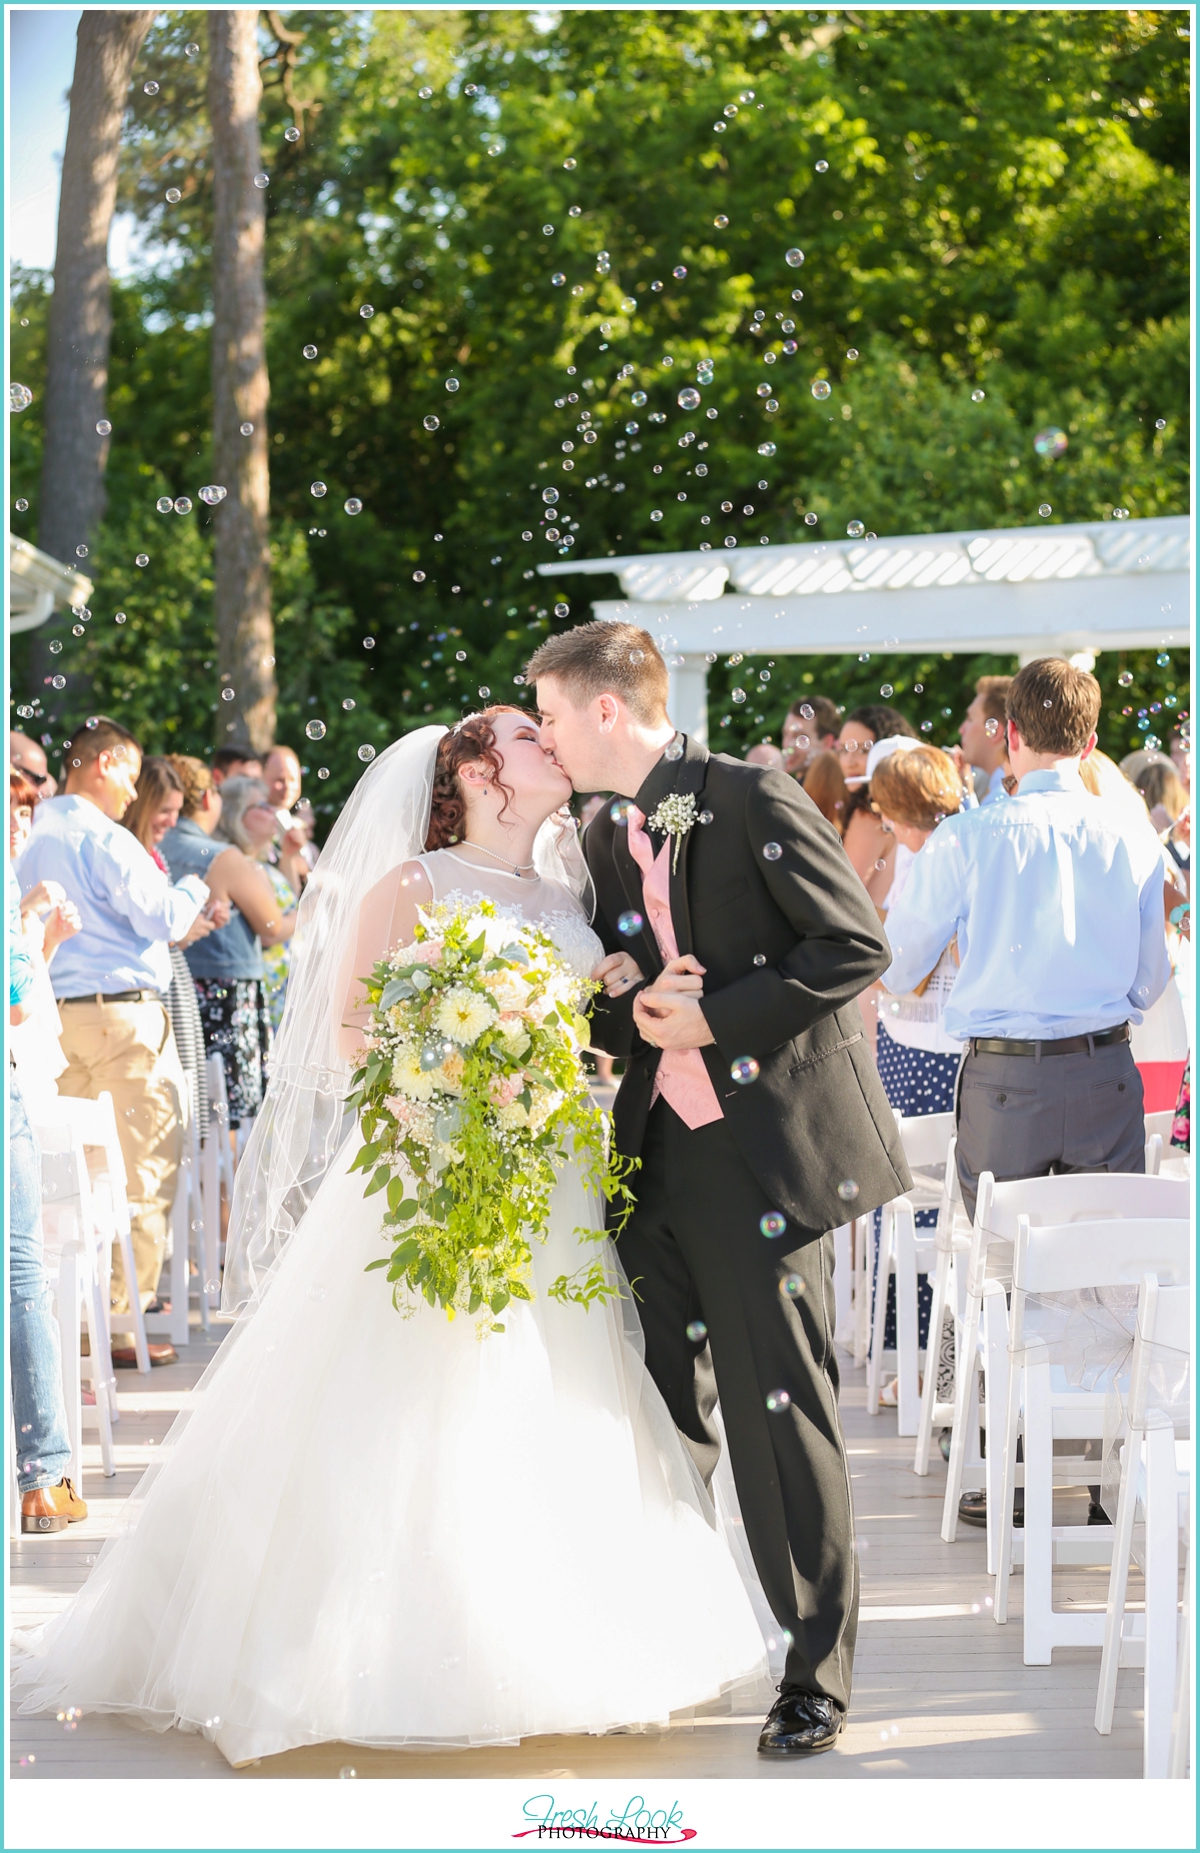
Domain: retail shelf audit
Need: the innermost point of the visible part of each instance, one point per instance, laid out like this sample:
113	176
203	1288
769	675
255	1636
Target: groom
752	1101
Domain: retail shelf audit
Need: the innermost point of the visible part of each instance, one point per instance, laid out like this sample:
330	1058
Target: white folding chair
860	1238
1075	1196
952	1242
903	1251
1155	1482
185	1233
72	1257
843	1286
1160	1124
1044	1407
95	1123
216	1168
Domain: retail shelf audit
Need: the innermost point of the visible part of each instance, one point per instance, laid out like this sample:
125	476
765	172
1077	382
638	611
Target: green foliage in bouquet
471	1097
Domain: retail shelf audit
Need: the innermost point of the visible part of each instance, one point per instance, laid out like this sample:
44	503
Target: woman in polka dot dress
913	788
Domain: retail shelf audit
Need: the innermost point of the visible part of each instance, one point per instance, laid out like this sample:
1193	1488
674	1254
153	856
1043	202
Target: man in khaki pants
112	978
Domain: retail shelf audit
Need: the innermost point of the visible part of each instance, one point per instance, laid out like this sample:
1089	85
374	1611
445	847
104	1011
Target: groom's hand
671	1019
684	973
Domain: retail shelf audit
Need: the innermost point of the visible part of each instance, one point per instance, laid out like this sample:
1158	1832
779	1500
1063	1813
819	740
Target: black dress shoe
800	1724
1096	1513
972	1508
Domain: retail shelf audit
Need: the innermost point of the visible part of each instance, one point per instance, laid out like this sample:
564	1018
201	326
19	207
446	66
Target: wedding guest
257	833
1181	758
810	727
871	851
764	754
912	792
825	785
1058	913
47	918
1164	794
982	732
235	762
49	1502
154	811
281	770
111	978
227	967
29	757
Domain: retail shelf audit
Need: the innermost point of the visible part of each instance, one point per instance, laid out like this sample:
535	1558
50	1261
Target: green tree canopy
987	203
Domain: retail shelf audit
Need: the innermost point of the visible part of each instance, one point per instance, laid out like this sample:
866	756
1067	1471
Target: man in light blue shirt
111	981
1058	913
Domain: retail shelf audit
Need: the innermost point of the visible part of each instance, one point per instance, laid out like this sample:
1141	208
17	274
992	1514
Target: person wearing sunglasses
29	757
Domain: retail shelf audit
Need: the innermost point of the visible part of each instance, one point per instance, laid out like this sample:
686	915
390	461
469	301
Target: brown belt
1066	1045
114	997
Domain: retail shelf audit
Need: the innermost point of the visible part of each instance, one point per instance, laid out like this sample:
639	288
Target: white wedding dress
385	1530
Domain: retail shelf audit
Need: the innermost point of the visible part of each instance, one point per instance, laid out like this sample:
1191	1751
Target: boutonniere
674	818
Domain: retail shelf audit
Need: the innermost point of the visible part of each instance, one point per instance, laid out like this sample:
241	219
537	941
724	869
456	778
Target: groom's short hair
606	657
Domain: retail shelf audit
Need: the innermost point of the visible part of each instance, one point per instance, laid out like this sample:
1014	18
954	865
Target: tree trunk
74	455
245	635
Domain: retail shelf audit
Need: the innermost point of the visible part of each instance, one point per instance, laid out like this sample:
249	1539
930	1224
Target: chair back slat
1058	1258
925	1138
1082	1196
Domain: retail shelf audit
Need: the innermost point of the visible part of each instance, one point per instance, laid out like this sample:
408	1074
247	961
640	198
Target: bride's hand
618	973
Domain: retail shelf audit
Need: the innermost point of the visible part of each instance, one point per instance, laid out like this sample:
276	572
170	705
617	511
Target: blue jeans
43	1450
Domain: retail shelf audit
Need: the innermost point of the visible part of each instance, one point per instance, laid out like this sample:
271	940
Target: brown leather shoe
124	1357
52	1508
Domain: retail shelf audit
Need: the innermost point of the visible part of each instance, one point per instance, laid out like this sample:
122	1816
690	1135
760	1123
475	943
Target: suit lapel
693	770
644	946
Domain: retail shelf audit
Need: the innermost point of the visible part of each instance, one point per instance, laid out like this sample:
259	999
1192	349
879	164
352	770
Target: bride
384	1530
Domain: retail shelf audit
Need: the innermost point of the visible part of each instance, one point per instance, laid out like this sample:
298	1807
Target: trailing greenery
1004	209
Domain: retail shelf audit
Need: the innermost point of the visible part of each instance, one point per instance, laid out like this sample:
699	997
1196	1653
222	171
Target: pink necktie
681	1077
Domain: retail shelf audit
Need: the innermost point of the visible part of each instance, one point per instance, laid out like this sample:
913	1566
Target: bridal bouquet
471	1096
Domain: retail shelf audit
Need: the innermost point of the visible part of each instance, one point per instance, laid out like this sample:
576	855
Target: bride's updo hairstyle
472	741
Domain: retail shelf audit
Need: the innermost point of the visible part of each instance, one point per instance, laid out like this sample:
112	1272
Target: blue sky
41	64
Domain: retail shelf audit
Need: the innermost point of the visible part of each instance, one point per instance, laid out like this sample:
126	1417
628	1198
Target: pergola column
687	696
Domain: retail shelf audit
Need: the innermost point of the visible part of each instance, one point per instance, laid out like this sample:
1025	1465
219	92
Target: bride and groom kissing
731	938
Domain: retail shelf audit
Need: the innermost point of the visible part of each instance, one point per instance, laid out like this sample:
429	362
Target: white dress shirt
130	910
1058	910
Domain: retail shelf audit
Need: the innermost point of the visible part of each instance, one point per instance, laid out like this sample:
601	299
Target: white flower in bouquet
506	989
514	1037
464	1014
410	1079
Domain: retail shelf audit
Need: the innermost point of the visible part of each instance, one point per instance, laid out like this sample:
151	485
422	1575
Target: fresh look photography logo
635	1824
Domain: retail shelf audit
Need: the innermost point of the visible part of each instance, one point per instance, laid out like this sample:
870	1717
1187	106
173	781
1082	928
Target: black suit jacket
788	942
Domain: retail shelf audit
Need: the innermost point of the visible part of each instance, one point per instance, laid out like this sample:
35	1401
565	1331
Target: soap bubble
451	385
18	397
139	559
570	162
366	753
1051	442
618	810
151	88
721	221
227	694
349	703
630	923
689	399
418	576
822	167
119	618
766	449
697	1331
191	51
679	271
183	504
1160	424
791	1286
848	1190
562	609
247	430
291	133
656	514
637	398
1044	509
261	181
763	391
550	496
773	1223
432	422
810	520
366	312
744	1070
309	352
164	505
173	196
559	277
103	427
793	257
212	493
58	681
991	728
855	530
851	353
978	396
1162	659
21	504
821	389
316	730
887	691
347	1772
352	505
318	489
778	1400
772	852
1120	514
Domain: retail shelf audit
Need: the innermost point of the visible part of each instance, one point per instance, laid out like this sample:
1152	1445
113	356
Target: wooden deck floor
940	1690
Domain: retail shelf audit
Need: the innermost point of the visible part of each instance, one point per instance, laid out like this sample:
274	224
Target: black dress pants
694	1251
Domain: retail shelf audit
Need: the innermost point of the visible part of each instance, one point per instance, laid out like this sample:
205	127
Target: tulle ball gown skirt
383	1530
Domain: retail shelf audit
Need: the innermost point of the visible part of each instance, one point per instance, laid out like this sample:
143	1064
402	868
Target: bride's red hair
473	741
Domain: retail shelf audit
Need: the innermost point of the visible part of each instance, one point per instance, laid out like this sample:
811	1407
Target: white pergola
38	584
1070	590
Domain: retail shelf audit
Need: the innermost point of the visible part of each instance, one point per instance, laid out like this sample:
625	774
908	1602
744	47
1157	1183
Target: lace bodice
546	904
